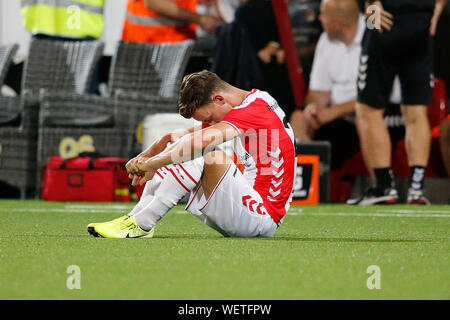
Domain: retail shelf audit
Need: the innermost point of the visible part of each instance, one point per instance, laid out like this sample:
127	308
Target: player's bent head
196	92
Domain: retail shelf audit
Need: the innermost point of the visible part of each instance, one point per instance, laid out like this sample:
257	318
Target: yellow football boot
123	227
93	224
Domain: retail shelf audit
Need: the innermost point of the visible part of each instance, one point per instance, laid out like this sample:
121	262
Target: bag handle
93	155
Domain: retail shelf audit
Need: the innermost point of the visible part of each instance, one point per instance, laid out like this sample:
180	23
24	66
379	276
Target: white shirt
335	67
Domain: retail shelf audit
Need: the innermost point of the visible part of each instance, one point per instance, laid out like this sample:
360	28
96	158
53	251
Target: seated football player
248	204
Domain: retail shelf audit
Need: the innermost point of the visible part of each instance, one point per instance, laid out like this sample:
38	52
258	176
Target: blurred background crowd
82	75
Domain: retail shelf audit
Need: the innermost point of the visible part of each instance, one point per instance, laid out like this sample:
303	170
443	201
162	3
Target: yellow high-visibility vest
64	18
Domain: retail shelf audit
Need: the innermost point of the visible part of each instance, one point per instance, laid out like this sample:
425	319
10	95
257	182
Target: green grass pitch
320	252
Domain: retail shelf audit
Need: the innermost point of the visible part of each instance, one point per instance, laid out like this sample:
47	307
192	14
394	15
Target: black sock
384	178
417	177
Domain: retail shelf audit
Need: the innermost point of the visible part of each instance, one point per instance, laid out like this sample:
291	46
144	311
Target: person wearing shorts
251	203
397	42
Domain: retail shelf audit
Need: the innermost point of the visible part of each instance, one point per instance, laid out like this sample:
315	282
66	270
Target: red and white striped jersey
266	147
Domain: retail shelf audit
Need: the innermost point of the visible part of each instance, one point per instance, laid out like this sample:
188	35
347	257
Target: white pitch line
414	211
292	213
355	214
118	207
100	210
64	210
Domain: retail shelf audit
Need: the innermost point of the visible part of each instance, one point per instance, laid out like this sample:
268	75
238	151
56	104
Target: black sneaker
376	196
417	197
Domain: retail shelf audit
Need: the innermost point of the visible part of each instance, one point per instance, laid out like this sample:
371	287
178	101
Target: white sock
147	195
147	218
178	180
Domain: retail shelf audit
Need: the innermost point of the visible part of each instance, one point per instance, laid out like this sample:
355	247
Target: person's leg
365	155
146	198
222	186
376	75
418	144
149	192
417	135
375	143
216	164
205	173
160	194
416	76
226	202
164	191
376	150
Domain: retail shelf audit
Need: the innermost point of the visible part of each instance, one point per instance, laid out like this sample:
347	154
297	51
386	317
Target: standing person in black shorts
401	44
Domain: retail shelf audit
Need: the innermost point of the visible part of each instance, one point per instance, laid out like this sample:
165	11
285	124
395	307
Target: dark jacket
235	60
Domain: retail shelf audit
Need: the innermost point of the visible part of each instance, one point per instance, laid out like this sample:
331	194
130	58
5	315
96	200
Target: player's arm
160	144
315	100
157	147
343	109
438	8
319	113
189	147
318	97
326	115
171	10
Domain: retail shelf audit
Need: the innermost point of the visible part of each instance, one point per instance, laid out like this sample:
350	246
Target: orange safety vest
144	25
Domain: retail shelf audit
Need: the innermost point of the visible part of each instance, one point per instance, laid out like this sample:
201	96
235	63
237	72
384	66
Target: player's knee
365	112
216	157
361	109
414	114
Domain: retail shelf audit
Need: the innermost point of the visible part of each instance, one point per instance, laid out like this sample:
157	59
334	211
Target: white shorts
234	208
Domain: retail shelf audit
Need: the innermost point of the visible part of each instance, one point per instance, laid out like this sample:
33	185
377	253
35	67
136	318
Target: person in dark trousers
262	30
398	42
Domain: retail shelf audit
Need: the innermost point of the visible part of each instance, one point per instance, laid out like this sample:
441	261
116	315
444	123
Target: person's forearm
171	10
344	109
190	146
318	98
439	6
179	134
159	145
180	151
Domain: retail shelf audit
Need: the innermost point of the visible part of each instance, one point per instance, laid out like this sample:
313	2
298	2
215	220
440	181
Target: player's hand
144	168
325	115
386	18
140	179
301	127
209	23
132	167
310	113
265	54
136	173
272	49
280	56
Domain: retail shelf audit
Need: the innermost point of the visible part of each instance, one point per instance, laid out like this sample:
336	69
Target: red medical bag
86	178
